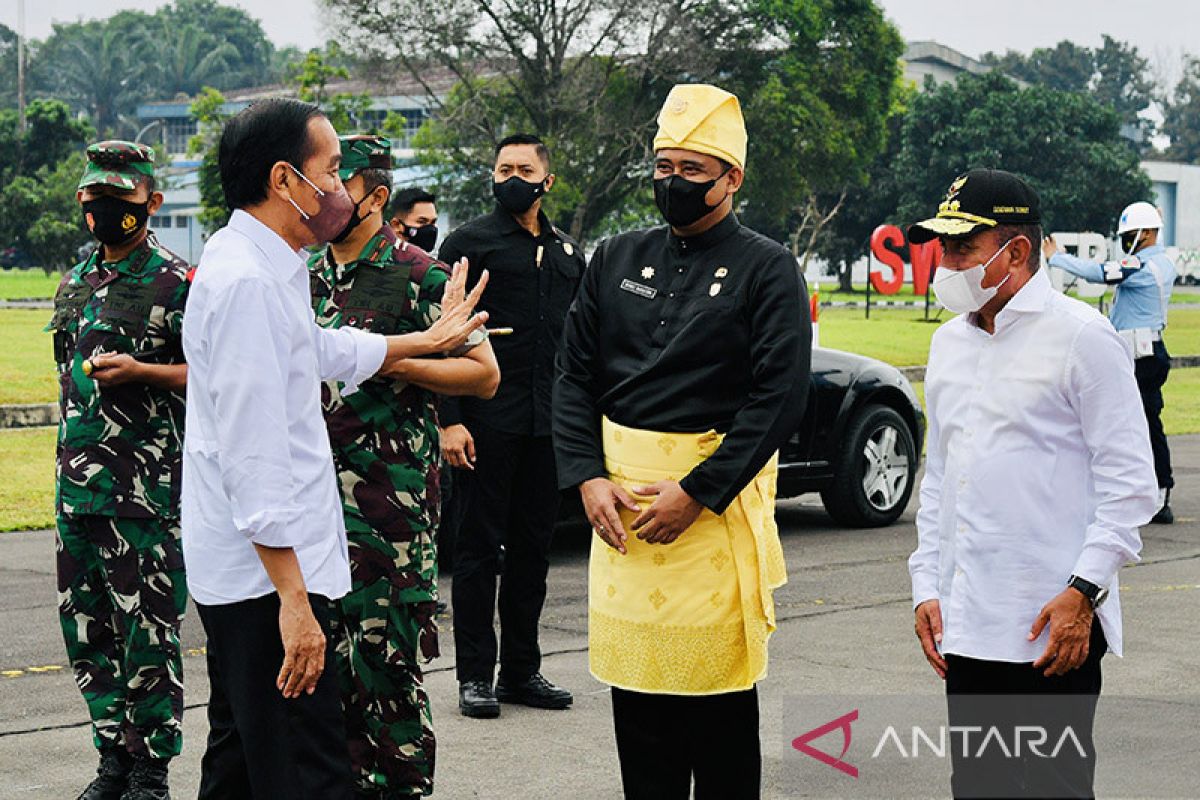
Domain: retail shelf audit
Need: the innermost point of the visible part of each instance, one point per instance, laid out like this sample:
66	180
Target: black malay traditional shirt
531	283
686	335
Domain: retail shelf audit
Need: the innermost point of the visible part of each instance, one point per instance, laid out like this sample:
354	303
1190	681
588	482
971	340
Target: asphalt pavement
845	629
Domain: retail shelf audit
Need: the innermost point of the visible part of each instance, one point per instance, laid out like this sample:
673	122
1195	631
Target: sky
1161	29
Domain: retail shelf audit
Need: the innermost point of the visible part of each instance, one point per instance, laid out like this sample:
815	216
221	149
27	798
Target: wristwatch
1095	594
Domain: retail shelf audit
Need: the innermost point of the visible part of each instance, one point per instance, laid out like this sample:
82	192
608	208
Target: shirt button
962	481
662	322
672	294
962	528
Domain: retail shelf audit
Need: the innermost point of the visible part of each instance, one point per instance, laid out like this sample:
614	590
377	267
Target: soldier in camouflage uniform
385	447
121	589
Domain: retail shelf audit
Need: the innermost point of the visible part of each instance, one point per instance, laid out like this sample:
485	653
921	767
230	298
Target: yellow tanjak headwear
705	119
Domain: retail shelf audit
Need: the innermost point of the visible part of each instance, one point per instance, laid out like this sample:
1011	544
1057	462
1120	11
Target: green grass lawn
1181	295
27	284
27	491
897	336
27	372
900	336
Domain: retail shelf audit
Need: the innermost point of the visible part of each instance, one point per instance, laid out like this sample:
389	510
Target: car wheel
876	468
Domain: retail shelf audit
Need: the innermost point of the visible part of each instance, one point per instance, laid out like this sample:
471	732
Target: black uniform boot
112	775
148	780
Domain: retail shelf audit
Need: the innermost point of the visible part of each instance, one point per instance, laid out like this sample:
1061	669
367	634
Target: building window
160	221
179	132
413	119
181	222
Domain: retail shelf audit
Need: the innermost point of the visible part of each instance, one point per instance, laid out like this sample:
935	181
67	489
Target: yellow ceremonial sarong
692	617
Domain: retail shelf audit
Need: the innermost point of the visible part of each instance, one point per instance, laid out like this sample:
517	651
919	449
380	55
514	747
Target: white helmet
1139	216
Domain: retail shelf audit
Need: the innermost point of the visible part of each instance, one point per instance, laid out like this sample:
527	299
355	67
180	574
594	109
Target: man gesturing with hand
263	531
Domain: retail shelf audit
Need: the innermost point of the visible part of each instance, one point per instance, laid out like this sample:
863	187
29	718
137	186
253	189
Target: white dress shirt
257	467
1038	467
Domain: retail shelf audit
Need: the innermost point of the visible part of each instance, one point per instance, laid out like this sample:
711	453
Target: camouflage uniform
120	568
385	447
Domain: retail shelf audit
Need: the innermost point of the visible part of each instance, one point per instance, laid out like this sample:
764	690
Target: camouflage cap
364	151
117	163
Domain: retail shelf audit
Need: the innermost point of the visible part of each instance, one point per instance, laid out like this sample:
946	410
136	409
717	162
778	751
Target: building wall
1177	194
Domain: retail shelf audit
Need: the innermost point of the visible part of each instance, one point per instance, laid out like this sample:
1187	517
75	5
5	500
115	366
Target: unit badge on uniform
647	273
567	248
714	290
721	272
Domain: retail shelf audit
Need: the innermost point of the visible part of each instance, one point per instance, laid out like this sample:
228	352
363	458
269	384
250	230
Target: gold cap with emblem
703	119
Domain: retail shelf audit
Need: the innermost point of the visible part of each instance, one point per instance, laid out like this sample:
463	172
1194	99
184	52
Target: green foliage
105	67
51	134
312	76
844	241
92	66
1115	74
38	175
8	66
1181	117
40	214
587	76
816	110
1066	144
208	109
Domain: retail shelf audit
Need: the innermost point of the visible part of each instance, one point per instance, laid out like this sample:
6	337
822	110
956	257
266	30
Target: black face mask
516	195
1129	241
354	221
682	201
424	237
114	221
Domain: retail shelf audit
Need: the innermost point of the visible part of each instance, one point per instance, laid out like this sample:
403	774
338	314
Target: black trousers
260	745
669	742
509	507
1151	373
1004	695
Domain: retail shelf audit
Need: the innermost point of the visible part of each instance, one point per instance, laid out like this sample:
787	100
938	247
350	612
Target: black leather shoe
476	699
1165	515
534	691
148	780
112	776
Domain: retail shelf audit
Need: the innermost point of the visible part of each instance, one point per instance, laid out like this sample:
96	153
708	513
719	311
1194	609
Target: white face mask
961	291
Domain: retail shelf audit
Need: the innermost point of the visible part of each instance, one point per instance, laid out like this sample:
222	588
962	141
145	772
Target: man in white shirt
263	533
1038	475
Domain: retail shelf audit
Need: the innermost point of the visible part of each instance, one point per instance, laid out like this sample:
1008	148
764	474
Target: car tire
875	471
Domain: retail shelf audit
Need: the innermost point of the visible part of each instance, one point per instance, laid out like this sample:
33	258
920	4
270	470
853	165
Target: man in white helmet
1141	282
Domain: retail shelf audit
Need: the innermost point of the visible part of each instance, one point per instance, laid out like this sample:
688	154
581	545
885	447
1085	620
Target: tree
40	214
1123	81
51	135
185	58
1114	73
250	55
8	67
1066	66
816	111
209	110
845	239
312	76
1067	145
38	175
588	76
98	68
1181	115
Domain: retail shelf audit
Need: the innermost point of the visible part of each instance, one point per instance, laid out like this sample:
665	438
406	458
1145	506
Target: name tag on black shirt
647	292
